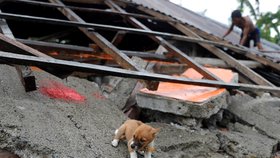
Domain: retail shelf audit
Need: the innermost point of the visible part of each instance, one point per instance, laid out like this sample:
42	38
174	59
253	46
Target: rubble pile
73	71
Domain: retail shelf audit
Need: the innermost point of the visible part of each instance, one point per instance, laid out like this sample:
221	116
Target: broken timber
25	73
103	43
251	56
82	67
20	48
118	28
182	56
72	49
256	78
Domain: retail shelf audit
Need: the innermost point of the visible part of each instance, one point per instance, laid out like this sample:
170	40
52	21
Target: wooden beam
206	62
91	10
243	51
164	35
212	62
25	73
48	47
118	38
182	56
86	1
251	54
82	67
103	43
21	48
216	51
12	44
253	76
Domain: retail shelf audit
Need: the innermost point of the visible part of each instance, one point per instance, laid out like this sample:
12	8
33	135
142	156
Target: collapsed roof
100	38
114	21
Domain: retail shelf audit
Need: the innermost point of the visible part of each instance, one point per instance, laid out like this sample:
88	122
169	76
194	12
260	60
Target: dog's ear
155	131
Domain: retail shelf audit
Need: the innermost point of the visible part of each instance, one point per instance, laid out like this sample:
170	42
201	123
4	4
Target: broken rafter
182	56
71	49
82	67
48	47
25	73
256	78
103	43
165	35
20	48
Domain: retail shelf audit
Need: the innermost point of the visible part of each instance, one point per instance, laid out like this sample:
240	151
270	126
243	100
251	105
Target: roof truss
91	30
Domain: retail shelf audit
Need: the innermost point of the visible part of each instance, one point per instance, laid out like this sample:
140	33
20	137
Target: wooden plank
103	43
25	73
87	1
21	48
116	28
90	10
256	78
216	51
251	54
72	49
12	58
243	51
182	56
207	62
48	46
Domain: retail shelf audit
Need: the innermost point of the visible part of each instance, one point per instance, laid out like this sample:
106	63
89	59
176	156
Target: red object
58	90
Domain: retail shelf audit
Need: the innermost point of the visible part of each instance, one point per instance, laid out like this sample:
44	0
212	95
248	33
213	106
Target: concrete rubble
34	125
185	108
80	123
182	108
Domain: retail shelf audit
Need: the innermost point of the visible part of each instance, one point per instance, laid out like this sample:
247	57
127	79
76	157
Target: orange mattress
189	92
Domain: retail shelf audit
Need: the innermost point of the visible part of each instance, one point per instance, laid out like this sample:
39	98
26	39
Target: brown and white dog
139	136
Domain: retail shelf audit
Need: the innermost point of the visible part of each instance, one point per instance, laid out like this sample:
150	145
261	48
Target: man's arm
228	31
245	34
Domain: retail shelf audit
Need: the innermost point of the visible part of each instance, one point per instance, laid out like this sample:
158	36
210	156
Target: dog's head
143	136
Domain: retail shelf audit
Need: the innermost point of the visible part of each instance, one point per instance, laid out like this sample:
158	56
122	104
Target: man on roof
249	31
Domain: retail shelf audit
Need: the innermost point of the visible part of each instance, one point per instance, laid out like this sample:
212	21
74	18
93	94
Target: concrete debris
262	113
186	100
177	142
182	108
237	144
120	88
34	125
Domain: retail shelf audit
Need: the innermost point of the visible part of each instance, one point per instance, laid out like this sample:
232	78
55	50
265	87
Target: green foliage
246	3
268	22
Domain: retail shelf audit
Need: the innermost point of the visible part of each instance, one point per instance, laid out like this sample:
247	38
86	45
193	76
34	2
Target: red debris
58	90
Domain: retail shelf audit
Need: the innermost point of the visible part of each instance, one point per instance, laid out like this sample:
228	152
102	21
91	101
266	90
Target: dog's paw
133	155
115	143
116	131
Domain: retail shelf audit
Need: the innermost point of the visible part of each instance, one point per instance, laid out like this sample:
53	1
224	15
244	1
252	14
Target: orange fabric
189	92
